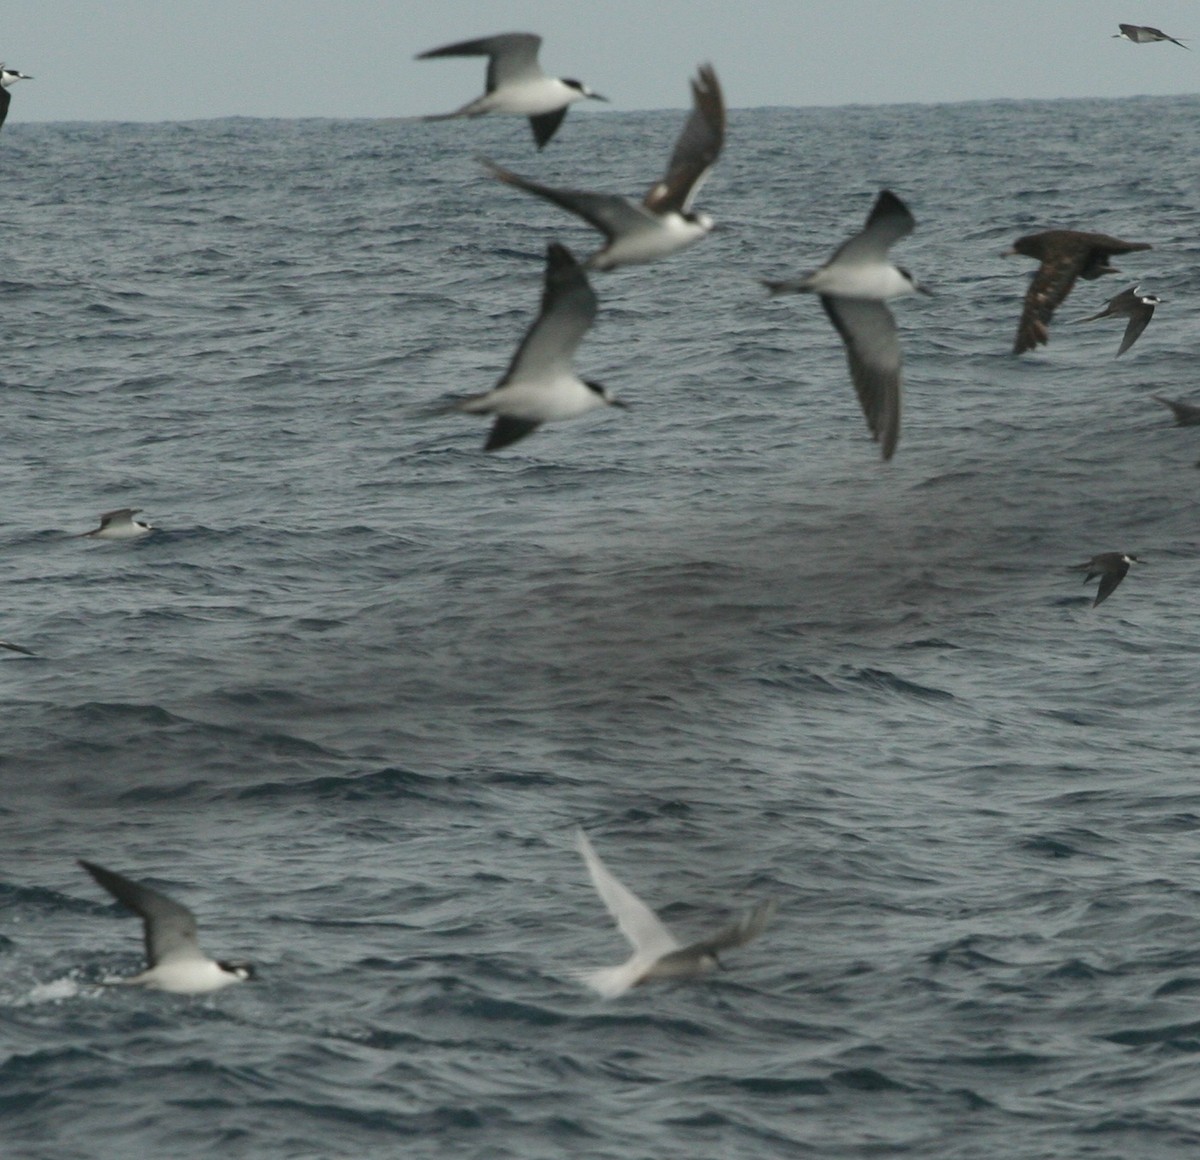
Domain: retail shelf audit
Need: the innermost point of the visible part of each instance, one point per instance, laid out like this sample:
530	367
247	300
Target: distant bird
656	952
1064	256
8	76
853	286
516	83
539	385
663	222
1139	308
174	959
1110	567
8	644
1143	34
1186	414
119	525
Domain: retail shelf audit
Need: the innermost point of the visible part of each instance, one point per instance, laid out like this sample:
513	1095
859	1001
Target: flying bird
663	222
119	525
174	959
8	77
1064	256
539	385
853	286
656	952
1138	308
1186	414
516	83
1110	567
1143	34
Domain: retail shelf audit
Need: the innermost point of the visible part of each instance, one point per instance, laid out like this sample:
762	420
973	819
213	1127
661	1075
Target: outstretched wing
170	928
513	55
739	933
568	308
696	150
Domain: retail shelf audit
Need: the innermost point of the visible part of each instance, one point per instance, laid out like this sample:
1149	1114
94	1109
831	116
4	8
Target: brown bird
1186	414
1064	256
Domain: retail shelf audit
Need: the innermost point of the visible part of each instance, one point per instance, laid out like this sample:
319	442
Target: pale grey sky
157	60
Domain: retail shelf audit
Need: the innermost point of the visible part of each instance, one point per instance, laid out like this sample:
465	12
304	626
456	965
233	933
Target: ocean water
352	697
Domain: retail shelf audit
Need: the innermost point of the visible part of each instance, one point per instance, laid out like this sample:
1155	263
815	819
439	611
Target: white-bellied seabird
119	525
1110	567
1144	34
17	648
8	76
1186	414
853	286
539	385
1138	308
657	954
174	959
516	83
663	222
1064	256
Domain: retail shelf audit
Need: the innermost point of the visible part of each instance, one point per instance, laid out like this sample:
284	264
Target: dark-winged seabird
1064	256
516	83
119	525
853	286
8	76
663	222
1186	414
539	385
1144	34
657	954
174	959
1110	567
1138	308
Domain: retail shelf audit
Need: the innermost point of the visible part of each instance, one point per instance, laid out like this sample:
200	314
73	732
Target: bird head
582	89
244	971
605	394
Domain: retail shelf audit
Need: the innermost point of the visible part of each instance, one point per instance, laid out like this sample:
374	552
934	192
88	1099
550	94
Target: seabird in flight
1110	567
8	76
853	287
516	83
1144	34
663	222
119	525
1138	308
1064	256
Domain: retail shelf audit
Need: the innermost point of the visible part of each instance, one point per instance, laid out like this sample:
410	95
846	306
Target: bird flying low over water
853	286
1138	308
1110	567
516	83
119	525
8	76
174	959
539	385
1143	34
1064	256
663	222
1186	414
656	952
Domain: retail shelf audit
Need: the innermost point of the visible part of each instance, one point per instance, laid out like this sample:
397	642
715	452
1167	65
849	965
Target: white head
10	76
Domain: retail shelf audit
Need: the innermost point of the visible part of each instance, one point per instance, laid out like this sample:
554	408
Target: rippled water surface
351	698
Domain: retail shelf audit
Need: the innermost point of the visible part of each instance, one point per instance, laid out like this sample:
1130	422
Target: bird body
853	287
1137	307
1063	256
663	222
1144	34
119	524
1111	567
175	962
540	385
657	954
516	83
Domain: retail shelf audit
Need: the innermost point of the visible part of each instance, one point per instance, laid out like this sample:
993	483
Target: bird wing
568	308
513	55
610	213
508	430
888	222
1122	303
873	352
696	149
1158	34
119	515
1052	282
8	644
1108	584
738	933
170	928
1186	414
545	125
1140	314
638	923
5	98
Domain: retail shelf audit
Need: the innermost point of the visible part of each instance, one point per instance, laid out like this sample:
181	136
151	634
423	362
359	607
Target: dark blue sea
351	698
